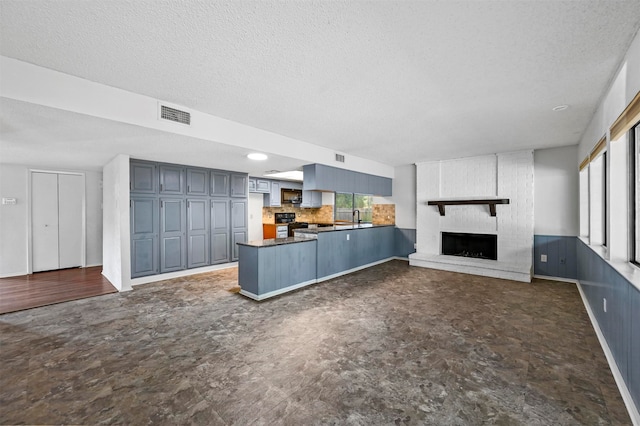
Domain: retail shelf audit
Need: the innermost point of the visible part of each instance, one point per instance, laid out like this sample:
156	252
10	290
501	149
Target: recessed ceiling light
257	156
560	108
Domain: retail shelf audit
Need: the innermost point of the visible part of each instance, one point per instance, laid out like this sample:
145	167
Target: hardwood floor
47	288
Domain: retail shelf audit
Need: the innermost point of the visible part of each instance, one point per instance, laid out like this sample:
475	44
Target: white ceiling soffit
392	81
75	141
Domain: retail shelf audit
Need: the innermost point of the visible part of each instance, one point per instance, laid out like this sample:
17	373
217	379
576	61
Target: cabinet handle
188	188
160	187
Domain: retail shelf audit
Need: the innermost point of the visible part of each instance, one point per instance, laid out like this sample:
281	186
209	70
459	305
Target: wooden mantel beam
490	202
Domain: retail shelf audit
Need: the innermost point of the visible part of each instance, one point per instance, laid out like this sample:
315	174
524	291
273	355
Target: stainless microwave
291	196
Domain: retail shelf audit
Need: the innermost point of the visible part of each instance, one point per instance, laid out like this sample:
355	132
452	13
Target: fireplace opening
479	246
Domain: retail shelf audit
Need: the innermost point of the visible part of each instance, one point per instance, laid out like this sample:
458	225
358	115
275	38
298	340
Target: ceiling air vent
176	115
340	158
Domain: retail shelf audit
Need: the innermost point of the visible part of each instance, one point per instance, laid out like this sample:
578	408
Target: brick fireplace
507	177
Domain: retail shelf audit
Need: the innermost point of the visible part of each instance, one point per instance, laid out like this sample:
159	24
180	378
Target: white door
56	220
44	221
70	199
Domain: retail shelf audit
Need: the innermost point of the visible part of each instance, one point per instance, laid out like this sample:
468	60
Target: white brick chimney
507	175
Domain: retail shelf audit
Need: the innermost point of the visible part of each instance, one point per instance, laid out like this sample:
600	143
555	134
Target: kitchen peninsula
271	267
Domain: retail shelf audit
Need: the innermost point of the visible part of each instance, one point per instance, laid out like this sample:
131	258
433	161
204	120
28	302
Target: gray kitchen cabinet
239	226
219	231
182	217
197	233
326	178
219	183
337	254
311	199
273	199
239	185
144	236
265	272
143	177
172	179
252	185
172	234
263	185
198	182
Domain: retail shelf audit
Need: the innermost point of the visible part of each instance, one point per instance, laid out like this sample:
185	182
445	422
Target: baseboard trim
14	274
276	292
348	271
564	280
184	273
622	386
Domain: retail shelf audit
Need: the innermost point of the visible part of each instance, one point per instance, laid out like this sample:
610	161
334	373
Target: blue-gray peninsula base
271	267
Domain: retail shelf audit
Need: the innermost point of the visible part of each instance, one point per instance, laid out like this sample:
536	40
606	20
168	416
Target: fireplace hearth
478	246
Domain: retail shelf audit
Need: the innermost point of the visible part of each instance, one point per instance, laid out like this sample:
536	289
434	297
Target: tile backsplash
323	214
383	214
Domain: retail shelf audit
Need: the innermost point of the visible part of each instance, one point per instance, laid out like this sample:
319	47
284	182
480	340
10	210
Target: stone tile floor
392	344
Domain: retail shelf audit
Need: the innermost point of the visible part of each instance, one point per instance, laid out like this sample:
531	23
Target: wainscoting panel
618	317
404	242
561	256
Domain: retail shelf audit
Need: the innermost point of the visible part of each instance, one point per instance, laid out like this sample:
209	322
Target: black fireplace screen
479	246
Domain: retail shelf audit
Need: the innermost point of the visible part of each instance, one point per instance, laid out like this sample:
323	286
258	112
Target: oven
286	224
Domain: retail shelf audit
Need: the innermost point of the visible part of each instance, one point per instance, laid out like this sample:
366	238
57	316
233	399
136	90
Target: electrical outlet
347	237
543	258
604	304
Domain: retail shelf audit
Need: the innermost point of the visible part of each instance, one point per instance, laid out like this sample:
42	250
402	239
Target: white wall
116	240
556	191
14	231
93	190
256	202
404	196
14	219
623	89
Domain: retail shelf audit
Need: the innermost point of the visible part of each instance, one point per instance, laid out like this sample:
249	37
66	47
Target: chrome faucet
354	213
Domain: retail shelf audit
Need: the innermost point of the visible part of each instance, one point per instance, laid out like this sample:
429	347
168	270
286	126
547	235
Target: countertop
337	228
271	242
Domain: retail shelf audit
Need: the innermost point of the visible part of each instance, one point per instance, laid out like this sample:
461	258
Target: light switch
543	258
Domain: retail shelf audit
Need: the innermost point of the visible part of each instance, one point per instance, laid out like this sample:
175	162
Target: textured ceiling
392	81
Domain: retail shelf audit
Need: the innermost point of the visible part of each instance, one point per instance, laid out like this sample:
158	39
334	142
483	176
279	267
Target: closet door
56	220
44	221
70	199
172	234
197	233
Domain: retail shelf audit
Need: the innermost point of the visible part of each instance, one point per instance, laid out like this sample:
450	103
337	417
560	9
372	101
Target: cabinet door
197	182
263	185
144	236
219	183
143	177
311	199
197	233
239	214
171	180
239	185
252	185
273	198
172	235
238	226
361	183
219	231
238	237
